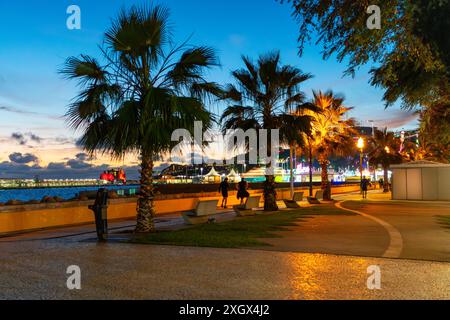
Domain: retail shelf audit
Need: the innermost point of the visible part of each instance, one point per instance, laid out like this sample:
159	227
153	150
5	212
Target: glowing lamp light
360	143
387	149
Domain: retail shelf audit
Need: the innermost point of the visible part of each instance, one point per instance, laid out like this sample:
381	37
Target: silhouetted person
365	183
381	183
223	188
242	191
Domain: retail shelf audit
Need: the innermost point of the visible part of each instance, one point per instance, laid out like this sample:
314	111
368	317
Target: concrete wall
41	216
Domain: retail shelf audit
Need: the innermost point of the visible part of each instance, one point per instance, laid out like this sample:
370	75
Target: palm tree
332	134
294	134
384	151
264	97
426	150
145	89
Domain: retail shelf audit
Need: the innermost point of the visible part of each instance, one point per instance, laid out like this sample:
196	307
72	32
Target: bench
315	199
246	209
292	204
202	212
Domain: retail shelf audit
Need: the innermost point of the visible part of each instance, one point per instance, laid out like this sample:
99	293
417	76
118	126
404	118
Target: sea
65	193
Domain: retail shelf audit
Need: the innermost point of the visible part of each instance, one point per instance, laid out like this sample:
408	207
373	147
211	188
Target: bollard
100	209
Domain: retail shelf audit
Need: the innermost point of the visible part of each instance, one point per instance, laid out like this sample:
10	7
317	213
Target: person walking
242	191
365	183
223	188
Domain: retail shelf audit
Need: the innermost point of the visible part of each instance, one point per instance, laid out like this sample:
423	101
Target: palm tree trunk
270	194
145	205
291	162
324	174
386	182
310	171
325	181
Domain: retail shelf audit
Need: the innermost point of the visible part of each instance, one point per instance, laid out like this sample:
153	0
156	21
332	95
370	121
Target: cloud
18	137
15	110
34	137
78	164
82	156
64	140
58	170
397	119
56	165
26	112
13	170
20	158
21	138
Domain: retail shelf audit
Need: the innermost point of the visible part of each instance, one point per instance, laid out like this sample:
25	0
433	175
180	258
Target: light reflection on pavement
34	267
36	270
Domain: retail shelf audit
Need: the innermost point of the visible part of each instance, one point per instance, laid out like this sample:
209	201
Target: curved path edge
396	241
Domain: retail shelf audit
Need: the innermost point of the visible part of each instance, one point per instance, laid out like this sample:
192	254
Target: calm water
38	193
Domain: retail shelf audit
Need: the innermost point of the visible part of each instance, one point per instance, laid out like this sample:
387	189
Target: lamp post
360	146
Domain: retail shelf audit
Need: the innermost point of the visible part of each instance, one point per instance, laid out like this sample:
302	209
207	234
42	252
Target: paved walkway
33	266
87	231
334	234
422	235
380	228
37	270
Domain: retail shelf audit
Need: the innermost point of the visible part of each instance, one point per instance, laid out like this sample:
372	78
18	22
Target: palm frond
85	69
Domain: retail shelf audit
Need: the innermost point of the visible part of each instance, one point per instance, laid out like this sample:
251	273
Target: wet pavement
33	266
37	270
333	234
423	236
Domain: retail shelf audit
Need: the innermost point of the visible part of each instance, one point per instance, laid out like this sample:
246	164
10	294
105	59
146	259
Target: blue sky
35	42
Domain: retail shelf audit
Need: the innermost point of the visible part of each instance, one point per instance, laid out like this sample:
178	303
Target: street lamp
360	146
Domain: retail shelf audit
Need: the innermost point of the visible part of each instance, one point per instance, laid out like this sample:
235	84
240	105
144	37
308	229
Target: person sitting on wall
381	183
242	191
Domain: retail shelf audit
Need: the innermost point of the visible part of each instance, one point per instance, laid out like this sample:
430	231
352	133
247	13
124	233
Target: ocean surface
39	193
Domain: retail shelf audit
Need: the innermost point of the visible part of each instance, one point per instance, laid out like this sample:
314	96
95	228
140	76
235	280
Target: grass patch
444	221
240	232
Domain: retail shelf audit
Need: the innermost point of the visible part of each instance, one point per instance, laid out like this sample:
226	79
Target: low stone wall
15	219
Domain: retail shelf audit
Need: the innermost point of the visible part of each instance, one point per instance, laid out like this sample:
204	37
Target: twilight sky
35	42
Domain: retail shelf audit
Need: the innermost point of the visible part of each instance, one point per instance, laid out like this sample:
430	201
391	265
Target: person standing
365	183
223	188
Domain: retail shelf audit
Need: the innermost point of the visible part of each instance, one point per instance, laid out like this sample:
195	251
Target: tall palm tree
294	134
332	134
384	150
145	89
265	95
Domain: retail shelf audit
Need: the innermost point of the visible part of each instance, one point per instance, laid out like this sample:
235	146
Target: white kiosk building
421	180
